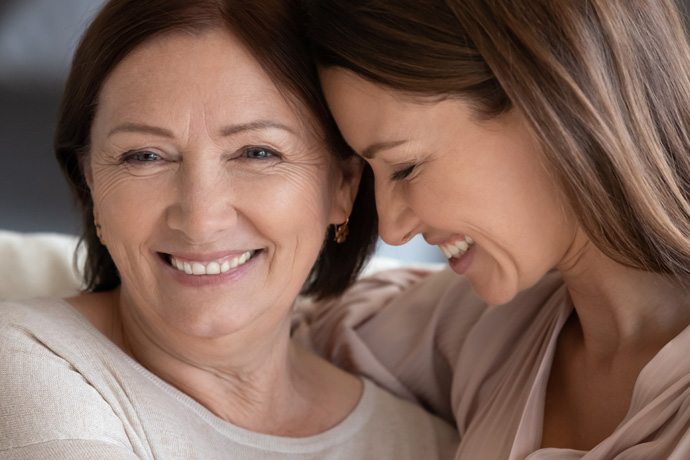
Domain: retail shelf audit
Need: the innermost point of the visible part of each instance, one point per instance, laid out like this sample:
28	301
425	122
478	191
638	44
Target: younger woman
543	146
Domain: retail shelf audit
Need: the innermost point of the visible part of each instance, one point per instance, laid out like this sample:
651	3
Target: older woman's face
213	195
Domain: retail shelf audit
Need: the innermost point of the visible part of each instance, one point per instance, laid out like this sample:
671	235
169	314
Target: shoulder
34	332
35	315
37	331
48	321
399	424
44	355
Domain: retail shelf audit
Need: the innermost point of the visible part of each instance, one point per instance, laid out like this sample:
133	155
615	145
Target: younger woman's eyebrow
371	151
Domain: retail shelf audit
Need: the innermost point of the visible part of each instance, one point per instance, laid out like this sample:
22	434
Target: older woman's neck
251	378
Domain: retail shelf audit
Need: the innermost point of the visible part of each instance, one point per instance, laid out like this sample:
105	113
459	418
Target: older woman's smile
200	265
213	269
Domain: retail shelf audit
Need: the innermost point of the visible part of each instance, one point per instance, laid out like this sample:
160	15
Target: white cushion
37	264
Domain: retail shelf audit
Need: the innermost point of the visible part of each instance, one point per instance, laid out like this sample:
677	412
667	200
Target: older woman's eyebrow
141	128
254	126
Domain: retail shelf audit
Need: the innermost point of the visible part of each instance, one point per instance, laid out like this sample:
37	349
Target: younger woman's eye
402	174
259	153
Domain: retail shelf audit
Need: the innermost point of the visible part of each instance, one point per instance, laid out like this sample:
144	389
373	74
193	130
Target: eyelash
402	174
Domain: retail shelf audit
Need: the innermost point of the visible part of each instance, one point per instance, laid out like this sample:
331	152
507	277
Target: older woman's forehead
215	62
213	74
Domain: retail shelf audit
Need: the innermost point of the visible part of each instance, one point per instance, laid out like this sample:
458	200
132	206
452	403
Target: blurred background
37	39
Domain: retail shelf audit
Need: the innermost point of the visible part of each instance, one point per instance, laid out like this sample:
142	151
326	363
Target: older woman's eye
260	153
142	157
402	174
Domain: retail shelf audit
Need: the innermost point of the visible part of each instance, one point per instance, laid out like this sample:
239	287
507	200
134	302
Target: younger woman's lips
461	264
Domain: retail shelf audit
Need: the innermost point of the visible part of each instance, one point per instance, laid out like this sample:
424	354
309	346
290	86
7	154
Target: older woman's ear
349	176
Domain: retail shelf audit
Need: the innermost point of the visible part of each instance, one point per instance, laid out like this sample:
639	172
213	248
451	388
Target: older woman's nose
397	221
204	207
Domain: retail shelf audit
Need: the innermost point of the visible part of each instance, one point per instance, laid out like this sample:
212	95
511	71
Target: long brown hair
604	85
273	30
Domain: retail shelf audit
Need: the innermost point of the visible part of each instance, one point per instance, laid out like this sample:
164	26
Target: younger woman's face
478	190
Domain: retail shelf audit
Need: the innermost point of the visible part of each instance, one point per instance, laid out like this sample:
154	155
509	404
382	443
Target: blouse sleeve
403	328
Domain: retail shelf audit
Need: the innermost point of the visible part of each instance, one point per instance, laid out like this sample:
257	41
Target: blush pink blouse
429	338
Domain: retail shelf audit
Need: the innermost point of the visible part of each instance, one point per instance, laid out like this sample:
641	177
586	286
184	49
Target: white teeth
462	245
444	251
213	268
457	248
210	268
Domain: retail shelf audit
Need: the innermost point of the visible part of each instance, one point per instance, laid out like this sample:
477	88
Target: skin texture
487	180
196	154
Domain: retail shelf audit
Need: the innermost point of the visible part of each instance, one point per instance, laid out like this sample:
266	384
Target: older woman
208	172
543	146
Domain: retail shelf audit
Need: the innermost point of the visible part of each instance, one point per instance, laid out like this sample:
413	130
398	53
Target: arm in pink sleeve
401	328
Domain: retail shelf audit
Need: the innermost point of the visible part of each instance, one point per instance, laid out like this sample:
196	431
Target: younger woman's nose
397	221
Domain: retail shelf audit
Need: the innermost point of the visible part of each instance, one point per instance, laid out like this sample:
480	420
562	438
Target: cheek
129	210
292	204
513	210
119	197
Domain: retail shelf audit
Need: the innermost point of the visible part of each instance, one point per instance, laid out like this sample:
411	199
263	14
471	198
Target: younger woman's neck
621	309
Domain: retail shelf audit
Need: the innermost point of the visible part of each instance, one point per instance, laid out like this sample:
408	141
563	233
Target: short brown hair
604	85
273	31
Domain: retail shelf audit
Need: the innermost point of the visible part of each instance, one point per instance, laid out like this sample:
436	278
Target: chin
495	293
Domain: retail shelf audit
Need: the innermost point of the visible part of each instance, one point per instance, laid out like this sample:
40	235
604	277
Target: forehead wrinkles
255	95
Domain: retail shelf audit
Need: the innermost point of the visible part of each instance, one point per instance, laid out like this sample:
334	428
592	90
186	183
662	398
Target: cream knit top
67	392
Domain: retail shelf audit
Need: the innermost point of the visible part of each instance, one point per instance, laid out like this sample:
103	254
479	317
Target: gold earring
341	232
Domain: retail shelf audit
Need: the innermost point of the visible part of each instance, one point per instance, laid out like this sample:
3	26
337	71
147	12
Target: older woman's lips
212	267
